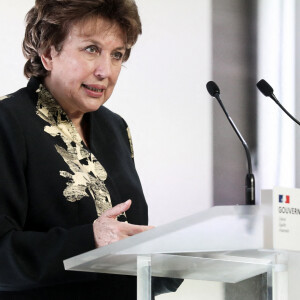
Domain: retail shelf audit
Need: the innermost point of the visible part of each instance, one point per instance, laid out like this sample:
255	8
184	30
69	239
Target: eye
117	55
92	49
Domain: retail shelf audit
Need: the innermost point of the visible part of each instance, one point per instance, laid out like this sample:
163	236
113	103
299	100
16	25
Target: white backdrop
276	64
161	94
12	14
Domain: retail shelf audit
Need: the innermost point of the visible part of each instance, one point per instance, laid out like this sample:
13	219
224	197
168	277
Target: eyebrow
98	44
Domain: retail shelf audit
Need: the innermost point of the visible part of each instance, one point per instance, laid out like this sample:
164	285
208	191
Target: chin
93	107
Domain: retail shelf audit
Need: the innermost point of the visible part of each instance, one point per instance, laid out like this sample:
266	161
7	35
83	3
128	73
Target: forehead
98	27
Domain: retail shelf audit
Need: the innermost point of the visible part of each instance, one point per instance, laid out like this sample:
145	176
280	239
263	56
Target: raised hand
108	230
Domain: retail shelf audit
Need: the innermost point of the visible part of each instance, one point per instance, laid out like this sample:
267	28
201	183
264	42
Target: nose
103	66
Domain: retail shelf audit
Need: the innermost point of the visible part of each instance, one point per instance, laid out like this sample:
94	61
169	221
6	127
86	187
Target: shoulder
14	98
22	99
105	112
111	117
115	123
18	111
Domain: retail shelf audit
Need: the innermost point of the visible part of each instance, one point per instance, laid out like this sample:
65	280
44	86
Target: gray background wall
234	70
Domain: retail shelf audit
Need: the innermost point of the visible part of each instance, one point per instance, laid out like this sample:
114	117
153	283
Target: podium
229	244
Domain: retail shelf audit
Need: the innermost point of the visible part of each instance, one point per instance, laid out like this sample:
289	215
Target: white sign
286	218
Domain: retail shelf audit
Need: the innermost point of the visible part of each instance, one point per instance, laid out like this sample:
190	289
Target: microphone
267	90
214	91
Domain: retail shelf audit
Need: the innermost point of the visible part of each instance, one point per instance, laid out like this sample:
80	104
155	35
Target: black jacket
46	216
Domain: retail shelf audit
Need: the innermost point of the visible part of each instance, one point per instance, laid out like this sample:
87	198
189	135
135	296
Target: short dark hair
49	21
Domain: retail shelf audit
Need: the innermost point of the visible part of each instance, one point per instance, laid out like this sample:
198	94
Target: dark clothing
107	287
52	187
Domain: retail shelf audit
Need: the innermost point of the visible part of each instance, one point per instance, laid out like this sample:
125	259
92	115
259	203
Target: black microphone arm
267	90
214	91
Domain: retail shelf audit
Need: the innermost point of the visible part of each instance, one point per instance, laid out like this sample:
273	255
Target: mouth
93	89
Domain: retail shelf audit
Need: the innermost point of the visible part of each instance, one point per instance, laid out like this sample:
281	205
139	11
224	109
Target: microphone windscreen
212	88
265	88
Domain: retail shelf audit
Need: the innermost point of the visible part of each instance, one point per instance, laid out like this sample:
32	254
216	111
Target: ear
47	58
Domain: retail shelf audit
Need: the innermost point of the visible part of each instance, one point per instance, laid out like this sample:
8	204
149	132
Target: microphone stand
250	180
214	91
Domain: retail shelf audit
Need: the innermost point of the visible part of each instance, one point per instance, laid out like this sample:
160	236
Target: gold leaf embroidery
4	97
130	142
87	175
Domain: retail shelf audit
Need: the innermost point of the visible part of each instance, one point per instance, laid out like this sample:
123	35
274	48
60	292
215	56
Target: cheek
77	69
77	73
114	79
116	74
73	65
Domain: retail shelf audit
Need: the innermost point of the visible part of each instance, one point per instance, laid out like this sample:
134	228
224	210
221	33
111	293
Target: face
82	76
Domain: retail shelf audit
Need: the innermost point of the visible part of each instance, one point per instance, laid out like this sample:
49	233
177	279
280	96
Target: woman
67	166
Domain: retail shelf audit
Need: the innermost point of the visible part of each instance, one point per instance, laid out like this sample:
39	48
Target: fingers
130	229
108	230
117	210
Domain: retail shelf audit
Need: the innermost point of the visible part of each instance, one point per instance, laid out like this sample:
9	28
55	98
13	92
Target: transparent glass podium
229	244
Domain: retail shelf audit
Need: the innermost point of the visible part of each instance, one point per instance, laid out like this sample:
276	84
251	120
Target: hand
108	230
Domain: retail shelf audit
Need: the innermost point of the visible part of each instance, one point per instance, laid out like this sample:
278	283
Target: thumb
117	210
